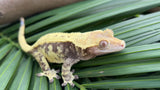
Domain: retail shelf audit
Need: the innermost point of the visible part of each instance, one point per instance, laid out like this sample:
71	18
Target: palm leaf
130	68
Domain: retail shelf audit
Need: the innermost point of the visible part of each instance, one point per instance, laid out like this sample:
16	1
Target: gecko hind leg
50	73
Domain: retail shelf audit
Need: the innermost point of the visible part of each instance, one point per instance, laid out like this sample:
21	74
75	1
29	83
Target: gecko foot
50	74
64	84
68	78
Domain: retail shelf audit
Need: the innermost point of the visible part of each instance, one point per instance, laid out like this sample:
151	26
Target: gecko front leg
67	75
50	73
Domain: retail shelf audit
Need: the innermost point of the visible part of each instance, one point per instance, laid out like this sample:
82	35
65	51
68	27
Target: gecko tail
21	38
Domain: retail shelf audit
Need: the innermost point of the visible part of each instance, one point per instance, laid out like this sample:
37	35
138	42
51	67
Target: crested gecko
68	48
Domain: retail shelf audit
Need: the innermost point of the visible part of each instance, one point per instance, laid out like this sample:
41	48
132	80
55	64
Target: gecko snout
123	44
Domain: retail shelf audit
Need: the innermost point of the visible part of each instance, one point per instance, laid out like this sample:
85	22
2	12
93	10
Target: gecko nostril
122	44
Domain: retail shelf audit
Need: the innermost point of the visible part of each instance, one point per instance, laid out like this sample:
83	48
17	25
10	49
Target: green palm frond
137	66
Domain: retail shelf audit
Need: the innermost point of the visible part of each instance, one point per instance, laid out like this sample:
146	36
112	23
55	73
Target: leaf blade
22	78
8	67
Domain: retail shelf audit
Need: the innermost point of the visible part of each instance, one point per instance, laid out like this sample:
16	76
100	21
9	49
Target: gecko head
107	43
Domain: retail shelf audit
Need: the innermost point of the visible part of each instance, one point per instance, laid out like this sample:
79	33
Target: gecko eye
103	44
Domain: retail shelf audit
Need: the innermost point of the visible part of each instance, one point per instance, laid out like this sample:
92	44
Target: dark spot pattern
64	71
54	47
67	77
69	50
38	56
65	65
46	48
68	47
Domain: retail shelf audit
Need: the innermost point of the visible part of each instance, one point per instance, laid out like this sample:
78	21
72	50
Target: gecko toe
39	74
64	84
73	70
76	77
51	80
72	85
57	71
58	77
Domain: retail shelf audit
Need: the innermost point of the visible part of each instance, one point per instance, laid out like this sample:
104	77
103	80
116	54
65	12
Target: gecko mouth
102	52
113	49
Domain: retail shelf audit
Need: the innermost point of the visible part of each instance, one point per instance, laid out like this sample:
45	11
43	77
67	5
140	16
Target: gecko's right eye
103	44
